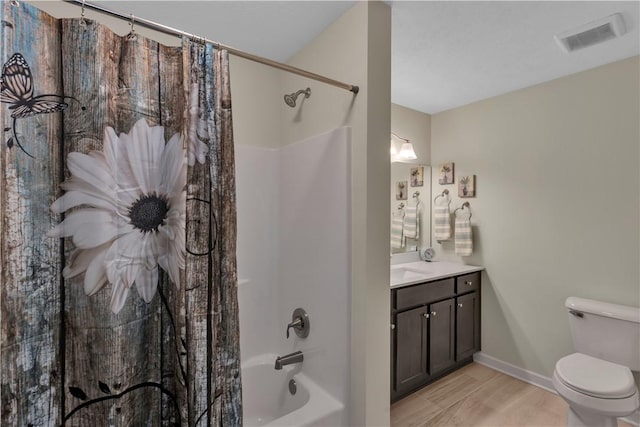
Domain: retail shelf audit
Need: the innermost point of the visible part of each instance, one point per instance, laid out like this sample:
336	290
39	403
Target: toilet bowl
597	381
598	392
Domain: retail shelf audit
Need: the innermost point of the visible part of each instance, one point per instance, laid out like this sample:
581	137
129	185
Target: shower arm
307	93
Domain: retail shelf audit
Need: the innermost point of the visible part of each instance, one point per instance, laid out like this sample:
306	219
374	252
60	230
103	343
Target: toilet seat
595	377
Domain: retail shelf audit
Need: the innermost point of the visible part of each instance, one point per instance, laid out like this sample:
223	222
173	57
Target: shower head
290	99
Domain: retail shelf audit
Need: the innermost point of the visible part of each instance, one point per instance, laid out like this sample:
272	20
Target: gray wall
556	212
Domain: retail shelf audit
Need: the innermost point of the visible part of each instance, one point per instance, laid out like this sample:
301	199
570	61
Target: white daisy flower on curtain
196	148
130	214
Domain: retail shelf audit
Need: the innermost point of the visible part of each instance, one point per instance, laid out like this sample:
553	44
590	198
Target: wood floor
479	396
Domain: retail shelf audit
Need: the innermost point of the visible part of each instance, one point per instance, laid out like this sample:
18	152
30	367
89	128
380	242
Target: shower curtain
118	300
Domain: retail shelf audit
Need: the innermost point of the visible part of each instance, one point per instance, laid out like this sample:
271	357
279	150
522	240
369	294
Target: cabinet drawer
420	294
468	283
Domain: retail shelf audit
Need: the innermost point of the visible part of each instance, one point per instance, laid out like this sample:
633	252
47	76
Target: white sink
404	275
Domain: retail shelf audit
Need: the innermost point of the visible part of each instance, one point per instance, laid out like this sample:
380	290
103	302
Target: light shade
406	152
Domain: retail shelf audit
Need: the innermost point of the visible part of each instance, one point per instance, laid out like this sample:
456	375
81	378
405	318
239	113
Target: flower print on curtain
133	219
130	316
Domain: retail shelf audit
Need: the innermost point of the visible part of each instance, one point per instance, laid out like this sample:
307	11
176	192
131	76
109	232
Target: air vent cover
592	33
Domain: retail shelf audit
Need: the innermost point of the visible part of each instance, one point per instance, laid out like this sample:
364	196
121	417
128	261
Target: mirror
407	179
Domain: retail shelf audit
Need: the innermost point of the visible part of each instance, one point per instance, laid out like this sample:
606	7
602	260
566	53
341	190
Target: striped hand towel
397	238
442	220
411	223
464	240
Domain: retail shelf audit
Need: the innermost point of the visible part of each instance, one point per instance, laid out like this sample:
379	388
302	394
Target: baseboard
514	371
533	379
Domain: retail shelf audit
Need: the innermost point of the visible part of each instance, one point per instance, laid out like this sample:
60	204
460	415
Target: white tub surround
294	245
411	273
268	401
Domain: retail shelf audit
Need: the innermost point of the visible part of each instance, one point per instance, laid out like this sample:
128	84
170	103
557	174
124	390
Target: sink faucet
288	359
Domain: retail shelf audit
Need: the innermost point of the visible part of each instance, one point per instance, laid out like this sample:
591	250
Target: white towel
411	223
464	239
397	237
442	220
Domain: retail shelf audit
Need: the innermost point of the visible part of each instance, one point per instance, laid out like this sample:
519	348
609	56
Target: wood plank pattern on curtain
30	262
66	357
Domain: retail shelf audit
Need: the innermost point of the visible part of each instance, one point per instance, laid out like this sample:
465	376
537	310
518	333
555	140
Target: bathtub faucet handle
296	324
299	323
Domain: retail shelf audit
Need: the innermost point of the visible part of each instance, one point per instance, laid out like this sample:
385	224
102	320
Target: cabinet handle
433	313
425	315
469	283
393	326
460	305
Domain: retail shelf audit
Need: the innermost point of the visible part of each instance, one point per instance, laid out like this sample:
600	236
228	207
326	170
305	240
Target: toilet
597	381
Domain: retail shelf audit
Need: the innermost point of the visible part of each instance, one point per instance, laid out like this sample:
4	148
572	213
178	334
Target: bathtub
267	401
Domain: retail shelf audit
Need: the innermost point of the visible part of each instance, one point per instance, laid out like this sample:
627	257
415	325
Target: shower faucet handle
299	323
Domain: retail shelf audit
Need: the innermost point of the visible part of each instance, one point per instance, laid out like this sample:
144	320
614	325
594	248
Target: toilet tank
606	331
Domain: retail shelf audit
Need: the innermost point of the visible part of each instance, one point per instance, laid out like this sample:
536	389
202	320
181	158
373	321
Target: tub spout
288	359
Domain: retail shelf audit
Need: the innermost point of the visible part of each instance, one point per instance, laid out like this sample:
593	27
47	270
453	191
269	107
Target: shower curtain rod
246	55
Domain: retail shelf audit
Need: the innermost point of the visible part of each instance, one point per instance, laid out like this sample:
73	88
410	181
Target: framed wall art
401	190
446	173
467	186
417	176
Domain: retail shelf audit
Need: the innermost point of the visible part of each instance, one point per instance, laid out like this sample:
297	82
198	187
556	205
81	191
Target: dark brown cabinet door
441	333
411	334
393	357
467	325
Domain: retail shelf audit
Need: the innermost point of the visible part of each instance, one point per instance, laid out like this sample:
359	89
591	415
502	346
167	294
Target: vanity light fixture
406	149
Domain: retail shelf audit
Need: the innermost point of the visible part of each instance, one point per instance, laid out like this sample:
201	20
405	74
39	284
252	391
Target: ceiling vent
592	33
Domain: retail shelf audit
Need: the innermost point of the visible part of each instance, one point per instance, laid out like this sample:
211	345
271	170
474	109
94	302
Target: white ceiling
448	54
444	54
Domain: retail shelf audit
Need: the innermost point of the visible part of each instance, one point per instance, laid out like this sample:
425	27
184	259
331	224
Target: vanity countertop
411	273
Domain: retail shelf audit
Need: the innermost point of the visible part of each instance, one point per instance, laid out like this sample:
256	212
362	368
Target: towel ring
416	195
445	192
461	208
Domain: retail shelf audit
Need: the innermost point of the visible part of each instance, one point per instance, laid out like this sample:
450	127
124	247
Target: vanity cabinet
412	334
435	329
442	333
467	325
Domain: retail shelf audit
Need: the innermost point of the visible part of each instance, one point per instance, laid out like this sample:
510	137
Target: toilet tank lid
605	309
